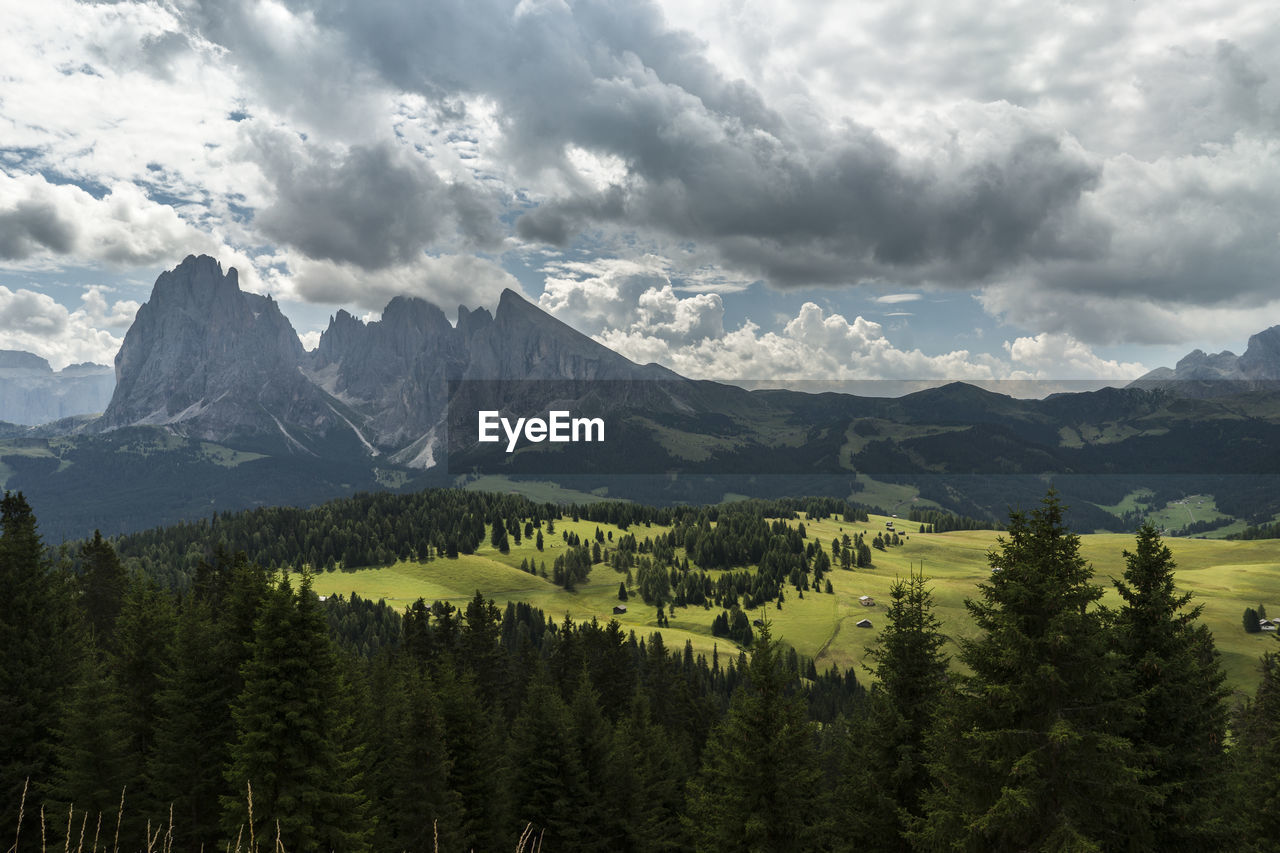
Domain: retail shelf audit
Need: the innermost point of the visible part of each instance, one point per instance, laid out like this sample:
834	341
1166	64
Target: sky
737	189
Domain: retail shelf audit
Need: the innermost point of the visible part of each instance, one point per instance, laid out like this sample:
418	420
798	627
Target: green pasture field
1225	576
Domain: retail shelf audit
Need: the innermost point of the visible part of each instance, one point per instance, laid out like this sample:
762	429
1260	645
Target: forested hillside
209	698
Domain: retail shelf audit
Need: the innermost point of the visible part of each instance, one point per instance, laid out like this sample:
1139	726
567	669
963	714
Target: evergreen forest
186	689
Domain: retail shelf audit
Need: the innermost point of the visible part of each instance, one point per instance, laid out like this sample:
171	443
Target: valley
1225	577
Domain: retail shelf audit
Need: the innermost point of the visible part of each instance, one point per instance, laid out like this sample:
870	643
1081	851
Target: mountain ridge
1217	374
205	358
33	393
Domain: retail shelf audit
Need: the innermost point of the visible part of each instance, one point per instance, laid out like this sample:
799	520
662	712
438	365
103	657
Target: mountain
32	392
1200	374
206	359
218	406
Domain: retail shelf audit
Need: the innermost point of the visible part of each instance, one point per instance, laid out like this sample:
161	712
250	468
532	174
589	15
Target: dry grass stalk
84	822
524	837
43	842
168	836
435	836
22	809
95	833
238	836
119	814
279	843
253	842
66	845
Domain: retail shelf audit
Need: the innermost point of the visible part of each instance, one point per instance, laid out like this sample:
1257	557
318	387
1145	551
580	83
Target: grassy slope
1225	576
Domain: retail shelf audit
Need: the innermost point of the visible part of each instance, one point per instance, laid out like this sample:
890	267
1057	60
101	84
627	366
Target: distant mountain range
218	406
32	392
1199	374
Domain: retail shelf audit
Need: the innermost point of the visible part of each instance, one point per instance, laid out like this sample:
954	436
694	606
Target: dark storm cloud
31	226
705	157
860	211
372	206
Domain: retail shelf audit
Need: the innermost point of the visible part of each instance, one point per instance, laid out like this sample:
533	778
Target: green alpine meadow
796	674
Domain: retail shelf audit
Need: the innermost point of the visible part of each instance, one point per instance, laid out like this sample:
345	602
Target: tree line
240	710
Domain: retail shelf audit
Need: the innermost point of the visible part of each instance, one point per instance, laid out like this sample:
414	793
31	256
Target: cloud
42	221
1101	171
812	345
594	294
633	309
898	298
34	322
446	281
310	340
117	316
688	152
1058	356
372	206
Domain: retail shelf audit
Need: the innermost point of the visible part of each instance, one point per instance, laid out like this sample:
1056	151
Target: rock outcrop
1201	374
208	358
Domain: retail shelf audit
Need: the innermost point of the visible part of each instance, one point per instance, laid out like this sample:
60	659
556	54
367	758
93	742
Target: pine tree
498	536
547	783
195	728
1174	669
407	763
646	780
1032	757
1255	755
885	773
293	734
475	747
759	776
95	761
599	824
41	643
103	582
143	641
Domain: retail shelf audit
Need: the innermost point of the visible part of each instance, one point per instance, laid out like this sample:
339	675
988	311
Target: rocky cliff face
208	359
1202	374
215	361
32	392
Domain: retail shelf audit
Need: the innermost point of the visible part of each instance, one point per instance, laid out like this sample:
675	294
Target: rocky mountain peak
1261	360
205	354
13	359
1202	374
470	322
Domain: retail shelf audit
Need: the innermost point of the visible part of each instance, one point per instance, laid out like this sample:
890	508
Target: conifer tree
102	582
408	766
293	734
1174	671
1255	755
476	750
599	822
646	779
547	783
194	729
885	774
40	639
1032	757
759	775
143	642
95	762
